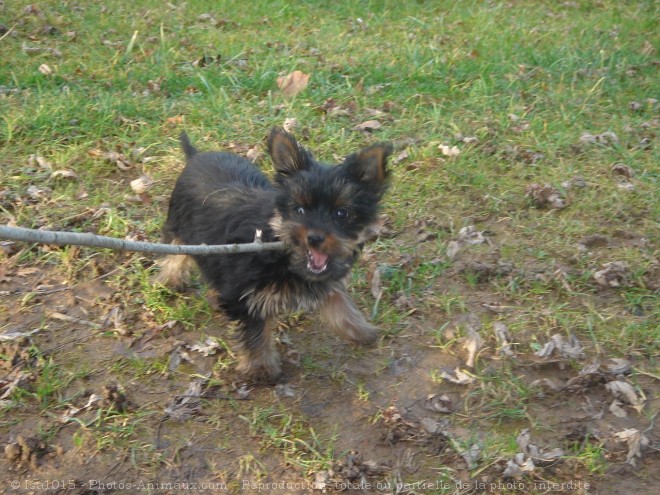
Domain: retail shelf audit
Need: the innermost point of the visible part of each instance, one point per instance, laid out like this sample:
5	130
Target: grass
94	95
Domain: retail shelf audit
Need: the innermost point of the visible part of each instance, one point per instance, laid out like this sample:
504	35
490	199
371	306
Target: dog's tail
188	149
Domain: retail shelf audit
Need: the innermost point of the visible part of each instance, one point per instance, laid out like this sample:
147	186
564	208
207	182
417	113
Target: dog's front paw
361	332
262	367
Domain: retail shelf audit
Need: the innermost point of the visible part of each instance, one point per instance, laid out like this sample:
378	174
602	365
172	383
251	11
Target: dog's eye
341	213
300	210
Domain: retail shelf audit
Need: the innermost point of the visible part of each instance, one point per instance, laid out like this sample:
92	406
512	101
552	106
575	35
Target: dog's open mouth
317	262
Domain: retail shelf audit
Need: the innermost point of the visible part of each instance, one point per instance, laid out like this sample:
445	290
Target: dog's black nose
315	239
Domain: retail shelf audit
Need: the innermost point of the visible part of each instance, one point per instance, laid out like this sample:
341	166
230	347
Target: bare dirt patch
107	401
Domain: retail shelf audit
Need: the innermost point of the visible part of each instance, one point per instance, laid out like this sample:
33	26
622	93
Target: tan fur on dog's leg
260	359
339	312
175	269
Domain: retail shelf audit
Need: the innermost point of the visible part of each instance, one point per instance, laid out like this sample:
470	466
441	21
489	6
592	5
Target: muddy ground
100	398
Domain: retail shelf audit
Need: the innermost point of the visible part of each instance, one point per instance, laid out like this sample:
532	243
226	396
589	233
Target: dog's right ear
288	156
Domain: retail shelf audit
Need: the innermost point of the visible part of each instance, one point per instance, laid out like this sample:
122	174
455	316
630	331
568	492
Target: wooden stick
99	241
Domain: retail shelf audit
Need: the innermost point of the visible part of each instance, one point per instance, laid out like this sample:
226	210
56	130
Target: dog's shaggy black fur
324	214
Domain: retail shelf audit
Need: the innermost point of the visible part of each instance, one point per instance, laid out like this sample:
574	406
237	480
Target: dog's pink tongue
319	259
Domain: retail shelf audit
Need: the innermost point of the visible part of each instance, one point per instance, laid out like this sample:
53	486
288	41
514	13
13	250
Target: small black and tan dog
323	213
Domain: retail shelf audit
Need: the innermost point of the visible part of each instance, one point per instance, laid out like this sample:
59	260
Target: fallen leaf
576	181
206	17
471	456
453	248
432	426
375	284
177	356
175	120
439	403
518	466
620	366
470	235
545	196
622	169
635	440
368	126
617	410
614	274
626	186
546	383
474	341
64	174
293	83
254	154
503	337
290	124
400	157
188	404
38	193
285	390
458	377
626	392
449	150
40	161
208	348
142	184
7	387
567	349
46	70
606	138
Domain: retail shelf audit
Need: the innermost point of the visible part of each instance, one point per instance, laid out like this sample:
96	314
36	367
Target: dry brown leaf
142	184
450	151
470	235
188	404
176	120
622	169
254	154
368	126
439	403
617	410
635	440
545	196
626	392
376	284
39	161
290	124
546	383
46	70
571	349
293	83
614	274
38	193
453	248
503	337
64	174
474	341
400	157
458	377
620	366
606	138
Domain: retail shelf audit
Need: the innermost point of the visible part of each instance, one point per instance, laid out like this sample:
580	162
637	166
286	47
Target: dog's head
325	212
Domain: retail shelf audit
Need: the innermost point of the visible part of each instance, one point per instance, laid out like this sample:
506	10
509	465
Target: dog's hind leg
175	270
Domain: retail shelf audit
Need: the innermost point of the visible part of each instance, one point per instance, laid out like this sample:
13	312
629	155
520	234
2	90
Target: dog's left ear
370	164
288	156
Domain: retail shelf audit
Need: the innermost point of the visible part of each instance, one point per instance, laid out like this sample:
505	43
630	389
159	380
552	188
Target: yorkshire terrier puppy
323	213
